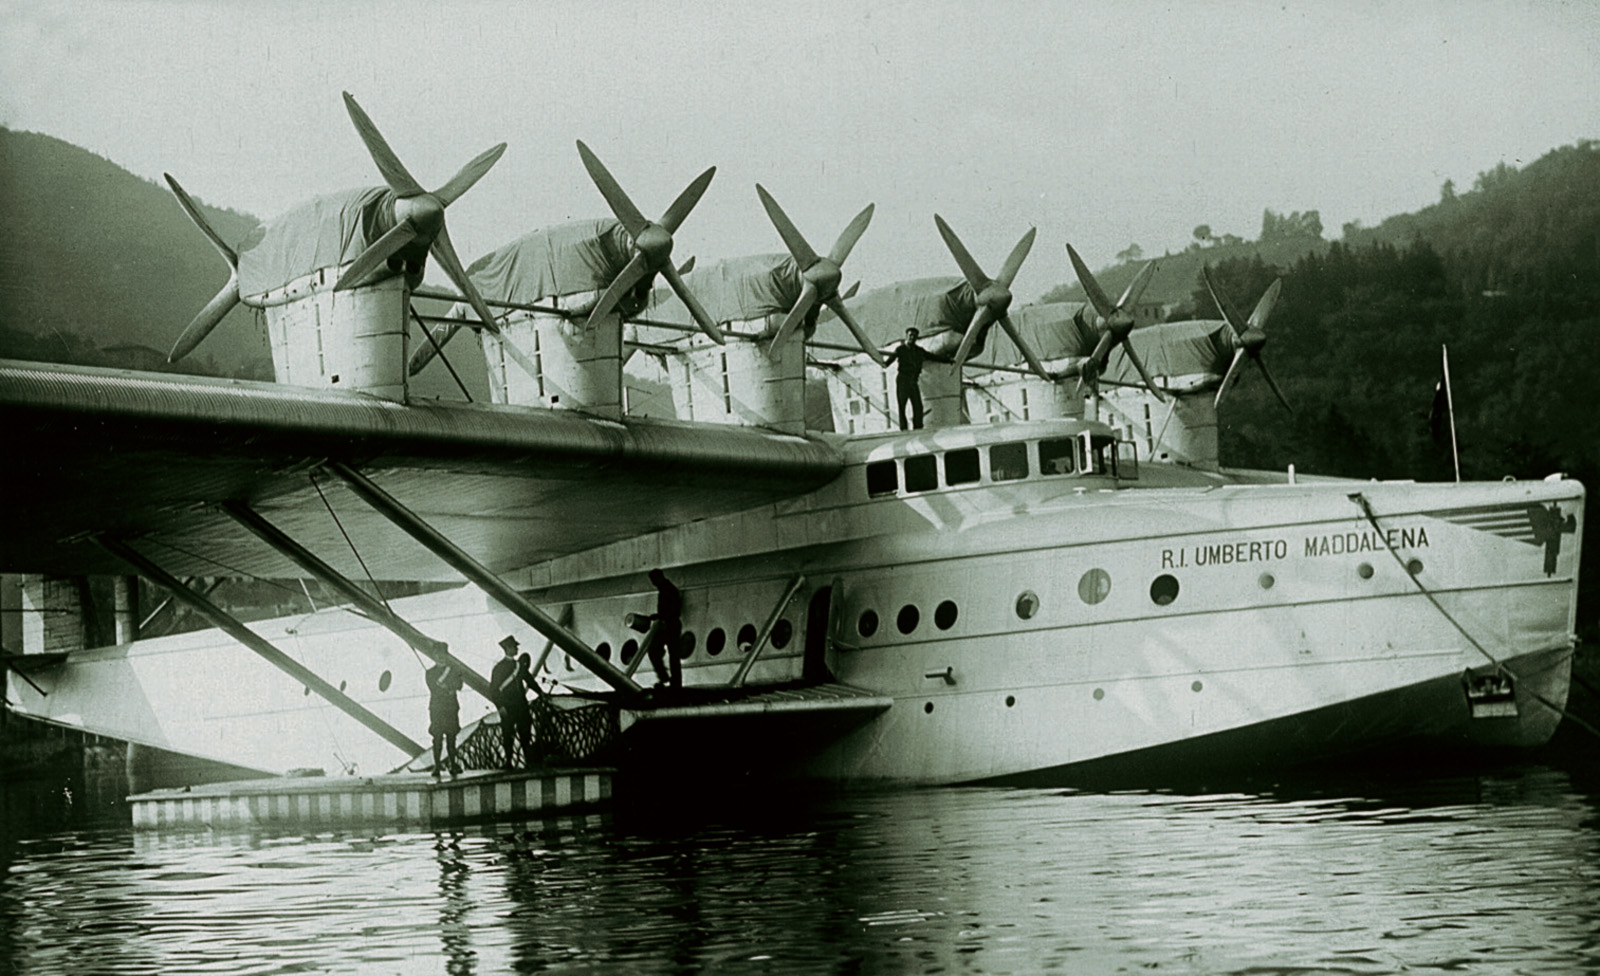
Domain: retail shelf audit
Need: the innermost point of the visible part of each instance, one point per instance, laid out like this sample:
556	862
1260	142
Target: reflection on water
1481	873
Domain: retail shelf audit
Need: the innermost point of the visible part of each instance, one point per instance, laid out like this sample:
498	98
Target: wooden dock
404	799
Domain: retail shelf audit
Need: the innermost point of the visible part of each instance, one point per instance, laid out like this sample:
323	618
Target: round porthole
1164	589
1027	604
1414	566
908	618
604	650
1267	581
867	624
1094	586
685	646
1364	571
928	708
1196	686
1011	700
716	641
746	638
384	680
782	633
629	649
944	615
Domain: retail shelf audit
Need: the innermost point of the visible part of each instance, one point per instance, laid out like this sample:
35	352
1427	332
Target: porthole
908	619
1164	589
1099	693
782	632
1414	566
867	624
1364	571
1027	604
746	638
944	615
306	690
629	649
341	687
685	646
1011	700
384	680
715	641
928	708
1094	586
1267	581
1196	686
604	650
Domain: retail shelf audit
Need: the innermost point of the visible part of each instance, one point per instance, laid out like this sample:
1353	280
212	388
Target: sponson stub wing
149	458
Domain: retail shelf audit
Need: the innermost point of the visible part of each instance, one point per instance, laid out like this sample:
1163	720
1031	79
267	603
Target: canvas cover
323	232
928	305
734	290
567	259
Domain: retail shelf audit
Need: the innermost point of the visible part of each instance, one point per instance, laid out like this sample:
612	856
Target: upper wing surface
148	457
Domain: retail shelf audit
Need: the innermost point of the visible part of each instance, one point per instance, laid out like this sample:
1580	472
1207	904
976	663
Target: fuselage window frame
1002	466
883	478
961	467
1058	453
921	473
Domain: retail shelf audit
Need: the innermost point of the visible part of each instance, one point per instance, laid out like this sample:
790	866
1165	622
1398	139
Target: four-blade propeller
652	242
226	299
819	276
1115	322
993	295
1250	335
418	217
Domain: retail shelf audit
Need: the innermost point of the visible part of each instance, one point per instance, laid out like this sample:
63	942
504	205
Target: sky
1101	124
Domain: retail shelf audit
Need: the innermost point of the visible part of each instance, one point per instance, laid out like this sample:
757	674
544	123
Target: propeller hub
655	243
996	296
424	212
825	276
1252	341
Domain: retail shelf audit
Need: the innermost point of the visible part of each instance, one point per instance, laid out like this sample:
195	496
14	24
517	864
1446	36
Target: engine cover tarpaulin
324	232
928	305
1173	349
734	290
567	259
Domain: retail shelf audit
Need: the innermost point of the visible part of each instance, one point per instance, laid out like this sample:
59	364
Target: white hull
1289	604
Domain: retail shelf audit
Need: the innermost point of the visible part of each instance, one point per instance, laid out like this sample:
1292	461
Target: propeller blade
799	249
626	213
837	304
850	292
207	320
1258	318
1223	305
1022	344
969	268
1228	377
848	237
428	350
470	174
389	165
802	305
1135	290
1008	273
1097	297
446	253
686	266
626	280
975	329
1102	350
676	214
693	304
193	211
1274	384
1149	382
376	254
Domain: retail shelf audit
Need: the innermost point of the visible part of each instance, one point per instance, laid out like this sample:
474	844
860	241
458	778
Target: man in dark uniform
444	715
908	356
512	702
662	639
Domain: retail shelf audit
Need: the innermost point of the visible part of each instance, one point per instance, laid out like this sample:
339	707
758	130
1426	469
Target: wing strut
462	562
435	650
766	631
255	642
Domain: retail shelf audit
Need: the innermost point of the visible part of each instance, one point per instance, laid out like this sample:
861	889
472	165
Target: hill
96	258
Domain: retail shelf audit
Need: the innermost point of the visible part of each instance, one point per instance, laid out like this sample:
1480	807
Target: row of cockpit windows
1006	462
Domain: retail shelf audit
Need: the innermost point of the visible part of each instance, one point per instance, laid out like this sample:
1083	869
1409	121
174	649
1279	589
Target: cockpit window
1008	462
922	473
883	478
1056	456
961	467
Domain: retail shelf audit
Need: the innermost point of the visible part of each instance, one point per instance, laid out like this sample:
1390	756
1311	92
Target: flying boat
1056	580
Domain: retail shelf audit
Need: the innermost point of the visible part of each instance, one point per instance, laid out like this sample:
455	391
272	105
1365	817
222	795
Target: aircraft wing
148	457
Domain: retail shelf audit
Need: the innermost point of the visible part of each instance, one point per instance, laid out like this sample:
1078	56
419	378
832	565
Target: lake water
1490	870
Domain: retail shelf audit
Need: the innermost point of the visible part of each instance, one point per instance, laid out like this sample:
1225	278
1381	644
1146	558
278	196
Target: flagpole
1450	409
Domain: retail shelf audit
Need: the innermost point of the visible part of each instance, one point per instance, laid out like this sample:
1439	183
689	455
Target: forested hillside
100	267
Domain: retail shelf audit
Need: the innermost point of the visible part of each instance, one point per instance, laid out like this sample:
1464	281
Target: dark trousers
445	742
907	391
659	645
517	728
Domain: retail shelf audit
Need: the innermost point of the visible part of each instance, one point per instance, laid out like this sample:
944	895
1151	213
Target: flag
1439	414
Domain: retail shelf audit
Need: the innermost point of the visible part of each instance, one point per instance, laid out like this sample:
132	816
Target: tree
1447	192
1202	233
1132	252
